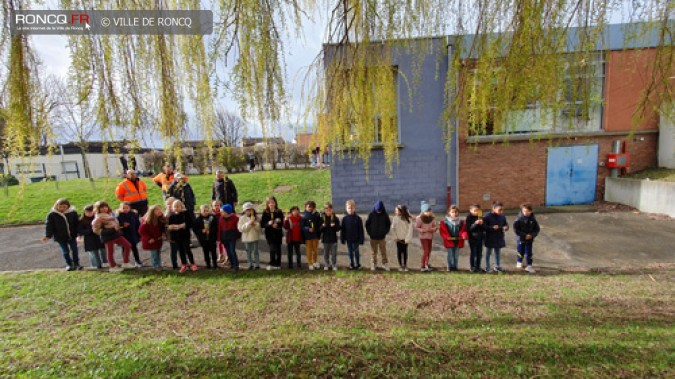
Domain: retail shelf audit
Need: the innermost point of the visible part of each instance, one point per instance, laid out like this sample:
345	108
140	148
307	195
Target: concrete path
588	241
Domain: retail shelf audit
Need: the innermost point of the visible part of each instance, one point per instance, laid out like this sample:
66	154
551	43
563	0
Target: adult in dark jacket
526	228
92	241
129	225
495	225
181	190
476	230
352	234
61	224
224	190
272	222
378	225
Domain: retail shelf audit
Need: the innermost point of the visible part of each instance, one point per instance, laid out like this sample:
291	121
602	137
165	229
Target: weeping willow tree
146	82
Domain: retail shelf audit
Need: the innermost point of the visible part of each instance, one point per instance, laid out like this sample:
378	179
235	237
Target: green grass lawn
31	202
302	324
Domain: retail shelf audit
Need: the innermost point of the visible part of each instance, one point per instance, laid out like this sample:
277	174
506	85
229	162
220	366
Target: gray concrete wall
422	171
667	138
645	195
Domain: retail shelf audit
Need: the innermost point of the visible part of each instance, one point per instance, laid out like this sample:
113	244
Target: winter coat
249	233
61	226
378	223
293	226
523	226
183	192
494	238
352	229
151	232
105	225
91	240
329	234
311	221
453	235
203	224
177	219
273	235
426	230
402	230
224	190
476	231
130	232
228	228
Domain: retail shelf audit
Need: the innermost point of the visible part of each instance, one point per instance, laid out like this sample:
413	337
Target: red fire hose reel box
615	160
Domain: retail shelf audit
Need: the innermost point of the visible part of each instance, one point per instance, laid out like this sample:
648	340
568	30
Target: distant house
65	162
567	167
256	141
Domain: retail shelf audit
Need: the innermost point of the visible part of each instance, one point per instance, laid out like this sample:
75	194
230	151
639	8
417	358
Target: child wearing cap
377	226
426	227
228	233
250	234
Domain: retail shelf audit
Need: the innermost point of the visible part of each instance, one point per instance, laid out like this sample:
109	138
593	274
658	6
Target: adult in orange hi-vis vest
165	178
134	191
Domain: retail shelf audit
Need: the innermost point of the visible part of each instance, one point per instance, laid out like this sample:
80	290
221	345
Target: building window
578	107
28	168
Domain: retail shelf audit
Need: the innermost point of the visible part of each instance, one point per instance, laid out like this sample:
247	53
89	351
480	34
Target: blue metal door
571	175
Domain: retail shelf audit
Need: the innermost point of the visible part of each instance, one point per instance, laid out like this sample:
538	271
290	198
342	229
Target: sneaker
326	268
519	265
311	267
128	265
472	269
194	267
530	269
385	267
499	270
400	269
139	264
250	268
372	267
256	267
116	269
78	267
270	268
335	268
70	268
317	265
105	265
424	269
183	268
405	269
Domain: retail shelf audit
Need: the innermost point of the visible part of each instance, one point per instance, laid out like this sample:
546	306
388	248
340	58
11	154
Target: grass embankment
300	324
31	202
654	173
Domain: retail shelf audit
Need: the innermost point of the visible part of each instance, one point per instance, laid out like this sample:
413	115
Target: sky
300	53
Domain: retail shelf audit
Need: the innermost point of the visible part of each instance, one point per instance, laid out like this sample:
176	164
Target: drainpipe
616	148
453	170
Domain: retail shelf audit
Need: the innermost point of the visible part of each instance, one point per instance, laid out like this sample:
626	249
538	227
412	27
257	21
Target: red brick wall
627	74
514	173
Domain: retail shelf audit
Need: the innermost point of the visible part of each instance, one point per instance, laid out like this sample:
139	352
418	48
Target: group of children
218	228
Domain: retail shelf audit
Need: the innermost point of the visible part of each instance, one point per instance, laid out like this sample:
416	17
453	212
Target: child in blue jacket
526	228
495	226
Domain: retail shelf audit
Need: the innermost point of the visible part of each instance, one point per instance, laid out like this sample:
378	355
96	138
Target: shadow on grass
372	357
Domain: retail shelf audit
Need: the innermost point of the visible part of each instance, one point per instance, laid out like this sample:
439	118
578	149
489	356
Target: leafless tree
75	118
229	127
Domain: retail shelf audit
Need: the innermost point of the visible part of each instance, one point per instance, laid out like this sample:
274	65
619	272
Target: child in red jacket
152	231
293	226
228	233
453	232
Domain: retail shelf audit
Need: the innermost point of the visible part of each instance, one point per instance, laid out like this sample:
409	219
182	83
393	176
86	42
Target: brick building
557	168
